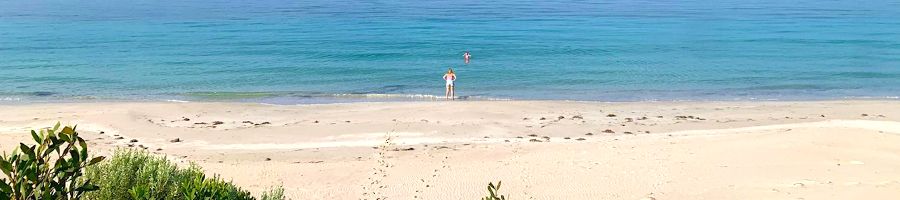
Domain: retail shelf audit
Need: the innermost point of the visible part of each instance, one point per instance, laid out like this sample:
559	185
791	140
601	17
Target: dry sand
539	149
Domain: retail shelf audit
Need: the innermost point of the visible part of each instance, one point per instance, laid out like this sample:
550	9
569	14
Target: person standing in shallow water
450	78
466	57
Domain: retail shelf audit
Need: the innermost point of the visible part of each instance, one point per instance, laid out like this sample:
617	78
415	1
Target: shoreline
433	99
539	149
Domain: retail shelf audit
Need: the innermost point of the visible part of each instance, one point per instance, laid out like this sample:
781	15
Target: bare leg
447	92
452	92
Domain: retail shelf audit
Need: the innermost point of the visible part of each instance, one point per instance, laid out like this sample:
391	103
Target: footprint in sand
428	182
375	186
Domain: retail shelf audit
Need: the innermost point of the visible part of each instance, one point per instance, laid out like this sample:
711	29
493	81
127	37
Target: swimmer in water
466	57
450	78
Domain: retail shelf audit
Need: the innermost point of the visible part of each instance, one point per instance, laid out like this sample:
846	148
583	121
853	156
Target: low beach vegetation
59	167
140	175
494	192
50	169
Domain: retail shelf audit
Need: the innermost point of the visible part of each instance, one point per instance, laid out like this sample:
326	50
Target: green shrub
136	174
493	191
49	170
276	193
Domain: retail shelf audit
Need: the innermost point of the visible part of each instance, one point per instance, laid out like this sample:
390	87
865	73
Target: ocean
324	51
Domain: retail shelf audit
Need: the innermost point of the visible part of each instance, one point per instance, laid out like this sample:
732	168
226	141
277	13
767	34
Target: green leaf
5	166
68	130
56	127
75	155
27	150
64	136
36	138
83	150
4	187
31	174
96	160
82	143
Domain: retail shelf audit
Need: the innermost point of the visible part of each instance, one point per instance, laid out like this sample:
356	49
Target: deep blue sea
310	51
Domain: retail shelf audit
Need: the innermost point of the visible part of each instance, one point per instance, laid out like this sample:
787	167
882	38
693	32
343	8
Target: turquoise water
281	51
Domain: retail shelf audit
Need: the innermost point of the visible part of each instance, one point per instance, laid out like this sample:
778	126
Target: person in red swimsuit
466	57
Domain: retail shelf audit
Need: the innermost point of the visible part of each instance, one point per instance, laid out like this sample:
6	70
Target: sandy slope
540	149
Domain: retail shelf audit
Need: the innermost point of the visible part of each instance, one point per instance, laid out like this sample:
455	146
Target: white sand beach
539	149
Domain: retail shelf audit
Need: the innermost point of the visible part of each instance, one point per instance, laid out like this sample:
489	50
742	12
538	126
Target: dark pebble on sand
626	132
865	115
520	137
608	131
218	122
580	139
534	140
577	117
101	132
543	118
532	135
611	115
200	123
589	134
561	117
268	159
185	119
175	140
264	123
546	137
247	122
158	149
133	140
119	138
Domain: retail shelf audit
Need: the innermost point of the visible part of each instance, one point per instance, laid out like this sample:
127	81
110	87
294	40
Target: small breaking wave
316	98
